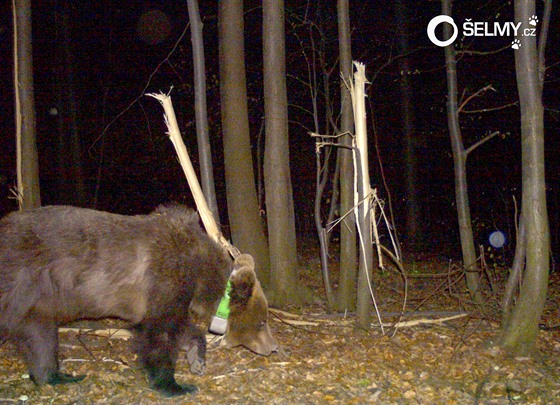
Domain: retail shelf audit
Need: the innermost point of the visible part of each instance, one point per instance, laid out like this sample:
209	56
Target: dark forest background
130	166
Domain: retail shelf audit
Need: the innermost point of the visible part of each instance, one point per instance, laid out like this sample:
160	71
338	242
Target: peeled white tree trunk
202	206
362	194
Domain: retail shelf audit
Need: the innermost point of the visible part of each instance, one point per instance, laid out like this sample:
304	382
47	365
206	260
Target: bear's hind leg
39	343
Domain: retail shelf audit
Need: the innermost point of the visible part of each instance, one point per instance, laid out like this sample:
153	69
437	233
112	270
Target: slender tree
460	166
521	327
71	186
243	210
412	206
278	185
348	270
200	110
28	166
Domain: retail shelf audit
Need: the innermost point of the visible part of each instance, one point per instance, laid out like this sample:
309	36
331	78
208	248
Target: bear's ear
243	280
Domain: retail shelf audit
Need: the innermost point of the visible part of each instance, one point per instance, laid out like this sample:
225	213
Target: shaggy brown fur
60	264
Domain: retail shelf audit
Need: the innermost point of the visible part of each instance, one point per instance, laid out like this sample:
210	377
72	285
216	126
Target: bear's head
248	317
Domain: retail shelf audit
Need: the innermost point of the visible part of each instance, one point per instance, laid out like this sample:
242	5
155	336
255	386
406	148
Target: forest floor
324	360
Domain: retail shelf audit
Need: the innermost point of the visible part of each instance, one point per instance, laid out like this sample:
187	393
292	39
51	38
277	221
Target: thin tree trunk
516	273
321	179
460	163
244	220
348	269
204	148
520	332
28	166
278	185
413	222
71	186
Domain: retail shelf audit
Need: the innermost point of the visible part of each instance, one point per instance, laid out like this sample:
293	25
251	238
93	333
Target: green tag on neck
223	308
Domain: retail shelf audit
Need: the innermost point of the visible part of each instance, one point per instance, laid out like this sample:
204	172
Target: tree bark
28	166
243	210
346	293
520	331
413	220
460	167
515	274
200	110
278	185
70	181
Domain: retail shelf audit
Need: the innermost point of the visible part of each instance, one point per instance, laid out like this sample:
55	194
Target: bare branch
467	52
482	141
484	110
477	94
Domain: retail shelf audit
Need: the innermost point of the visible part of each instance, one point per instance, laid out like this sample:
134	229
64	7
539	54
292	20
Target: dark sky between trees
117	46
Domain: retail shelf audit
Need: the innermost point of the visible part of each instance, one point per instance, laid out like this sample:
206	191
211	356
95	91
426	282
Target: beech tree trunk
203	139
521	328
346	293
460	167
278	185
413	219
70	180
245	223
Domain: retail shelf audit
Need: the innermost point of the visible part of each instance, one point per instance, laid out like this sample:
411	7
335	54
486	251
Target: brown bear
60	264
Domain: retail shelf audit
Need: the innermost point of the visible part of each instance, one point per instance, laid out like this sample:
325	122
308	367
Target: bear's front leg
158	353
193	341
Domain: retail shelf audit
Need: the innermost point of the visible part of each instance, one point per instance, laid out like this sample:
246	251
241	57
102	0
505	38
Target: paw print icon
516	44
533	20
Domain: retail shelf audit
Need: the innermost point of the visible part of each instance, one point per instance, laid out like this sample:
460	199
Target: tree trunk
520	331
28	166
243	210
70	181
460	166
515	274
204	148
364	309
278	185
364	300
346	293
413	220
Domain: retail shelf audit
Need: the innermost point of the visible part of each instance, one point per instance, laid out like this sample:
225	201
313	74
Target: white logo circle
432	30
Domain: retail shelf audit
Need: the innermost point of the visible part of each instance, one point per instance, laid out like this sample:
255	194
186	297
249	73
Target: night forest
429	335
